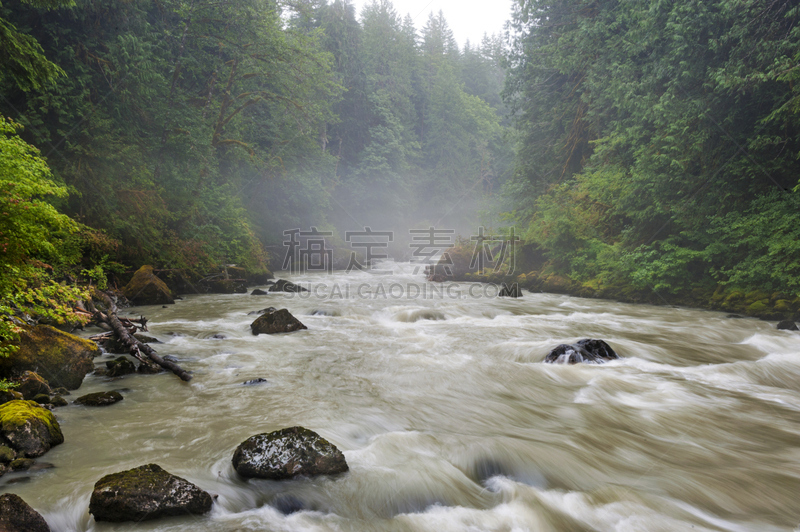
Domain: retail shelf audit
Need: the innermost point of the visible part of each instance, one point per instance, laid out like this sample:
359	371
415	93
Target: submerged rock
787	325
288	453
258	292
253	382
30	429
276	321
31	384
588	350
144	493
286	286
99	399
17	516
119	367
147	289
63	358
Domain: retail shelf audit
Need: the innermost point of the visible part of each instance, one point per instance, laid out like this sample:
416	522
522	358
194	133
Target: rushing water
447	416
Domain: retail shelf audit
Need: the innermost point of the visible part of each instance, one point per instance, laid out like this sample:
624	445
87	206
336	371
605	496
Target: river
447	416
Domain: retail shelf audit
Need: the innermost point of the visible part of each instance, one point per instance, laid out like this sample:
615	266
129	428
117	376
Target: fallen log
135	346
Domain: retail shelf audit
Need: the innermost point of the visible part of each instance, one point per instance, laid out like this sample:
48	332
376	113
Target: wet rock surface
276	321
30	429
31	384
17	516
787	325
144	493
586	351
120	366
258	292
288	453
99	399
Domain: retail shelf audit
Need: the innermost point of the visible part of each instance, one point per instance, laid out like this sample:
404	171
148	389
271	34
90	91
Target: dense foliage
659	141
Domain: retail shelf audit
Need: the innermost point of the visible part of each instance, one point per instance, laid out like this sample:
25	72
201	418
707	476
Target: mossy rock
288	453
120	366
7	454
22	464
32	384
9	395
558	284
783	305
734	299
99	398
30	429
147	289
277	321
42	399
17	515
144	493
758	308
61	358
58	401
757	295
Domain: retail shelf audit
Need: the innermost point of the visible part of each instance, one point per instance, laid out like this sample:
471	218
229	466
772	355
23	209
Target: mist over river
447	416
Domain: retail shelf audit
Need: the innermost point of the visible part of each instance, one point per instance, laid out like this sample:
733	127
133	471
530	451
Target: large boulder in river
17	516
787	325
146	492
147	289
30	429
590	351
283	285
276	321
61	358
288	453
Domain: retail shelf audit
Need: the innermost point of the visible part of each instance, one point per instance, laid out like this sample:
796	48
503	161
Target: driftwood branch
135	346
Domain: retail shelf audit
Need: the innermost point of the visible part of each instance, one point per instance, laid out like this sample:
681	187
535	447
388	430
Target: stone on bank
30	429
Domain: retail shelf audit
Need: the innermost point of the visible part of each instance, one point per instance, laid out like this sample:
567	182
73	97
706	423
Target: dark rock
147	289
787	325
30	429
288	504
60	391
258	292
7	454
255	381
224	286
17	516
592	351
147	367
99	399
57	400
288	453
120	366
31	384
146	339
144	493
62	358
9	395
262	311
286	286
510	291
735	316
277	321
42	399
22	464
218	337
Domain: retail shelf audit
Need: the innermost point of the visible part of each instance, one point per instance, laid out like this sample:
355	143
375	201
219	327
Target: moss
147	289
63	358
759	307
783	305
16	414
7	454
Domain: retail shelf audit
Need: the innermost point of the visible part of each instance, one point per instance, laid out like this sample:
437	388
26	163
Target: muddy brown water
447	416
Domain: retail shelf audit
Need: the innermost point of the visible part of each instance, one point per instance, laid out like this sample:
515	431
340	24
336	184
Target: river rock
9	395
512	290
286	286
288	453
277	321
262	311
144	493
57	401
31	384
22	464
147	289
787	325
119	367
30	429
258	292
99	399
62	358
588	350
17	516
